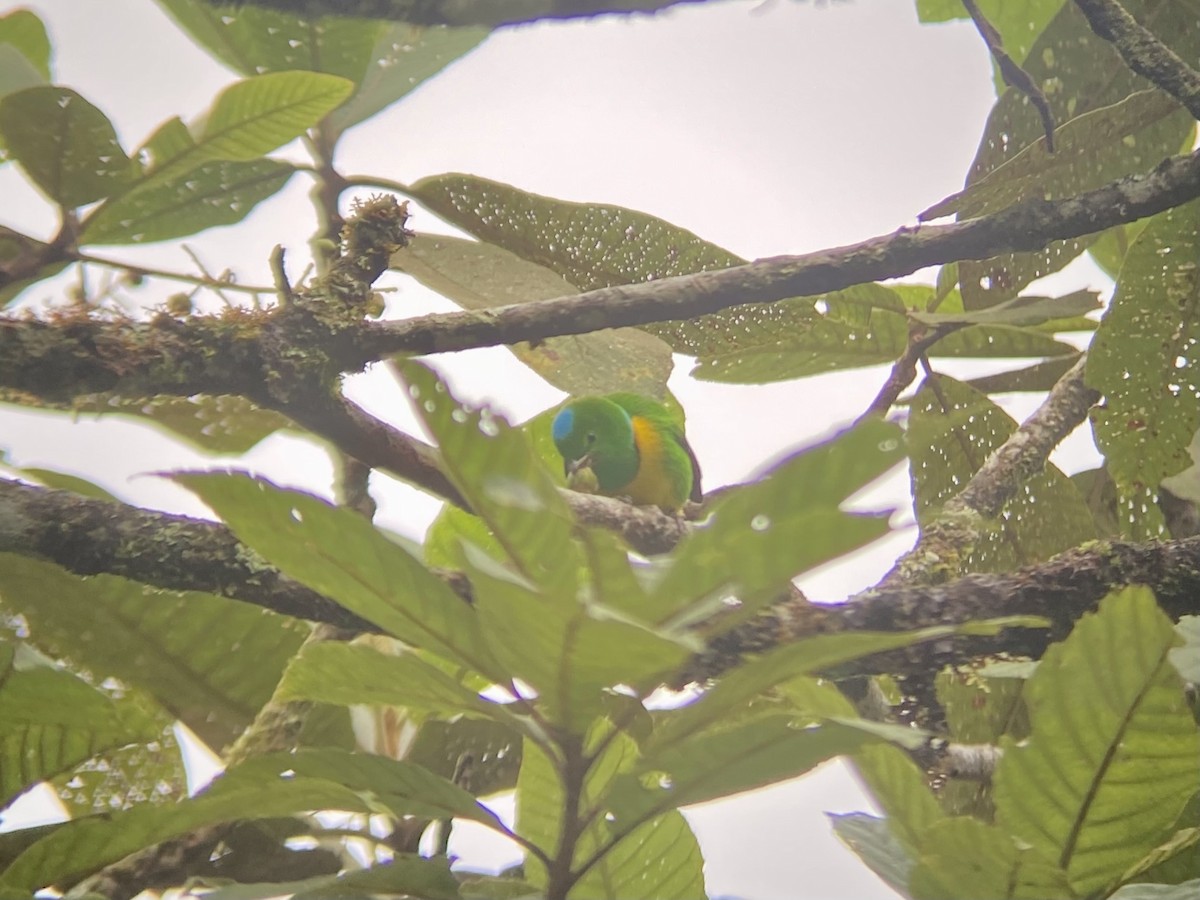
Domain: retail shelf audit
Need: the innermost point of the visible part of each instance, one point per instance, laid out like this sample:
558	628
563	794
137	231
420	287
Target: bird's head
595	436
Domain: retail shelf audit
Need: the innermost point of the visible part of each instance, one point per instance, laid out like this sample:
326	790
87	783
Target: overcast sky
765	127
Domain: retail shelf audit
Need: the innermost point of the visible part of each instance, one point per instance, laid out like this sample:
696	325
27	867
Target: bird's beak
571	466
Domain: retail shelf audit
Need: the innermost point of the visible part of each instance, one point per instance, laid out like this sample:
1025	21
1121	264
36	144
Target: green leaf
403	59
450	530
1177	855
385	60
63	481
590	245
1143	360
899	788
871	838
775	667
1089	151
266	787
248	119
963	857
347	674
792	341
209	661
405	874
1019	311
495	750
211	423
868	325
714	764
1080	73
25	261
50	720
147	772
1038	378
340	554
214	194
661	858
1110	248
1018	22
24	32
1111	760
254	41
759	536
1000	341
254	116
16	74
395	787
1185	891
67	146
948	446
571	653
492	465
483	276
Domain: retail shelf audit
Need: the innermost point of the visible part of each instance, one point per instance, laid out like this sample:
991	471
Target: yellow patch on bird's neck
652	484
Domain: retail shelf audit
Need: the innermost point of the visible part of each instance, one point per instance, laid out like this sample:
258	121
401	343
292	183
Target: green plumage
627	445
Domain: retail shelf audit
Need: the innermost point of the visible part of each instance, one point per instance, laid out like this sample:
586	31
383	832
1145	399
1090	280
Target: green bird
627	445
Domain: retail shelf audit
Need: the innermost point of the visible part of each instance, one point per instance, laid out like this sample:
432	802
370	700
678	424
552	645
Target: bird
627	445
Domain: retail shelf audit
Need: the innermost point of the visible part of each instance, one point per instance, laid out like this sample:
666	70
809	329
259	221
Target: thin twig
150	272
1143	51
1014	76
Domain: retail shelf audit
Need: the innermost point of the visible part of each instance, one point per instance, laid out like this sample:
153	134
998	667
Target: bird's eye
591	437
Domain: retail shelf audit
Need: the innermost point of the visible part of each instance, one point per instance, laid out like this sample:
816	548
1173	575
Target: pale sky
765	127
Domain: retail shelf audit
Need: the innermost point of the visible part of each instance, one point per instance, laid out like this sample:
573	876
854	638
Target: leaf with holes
477	275
591	245
50	720
1111	757
1144	361
947	446
1086	74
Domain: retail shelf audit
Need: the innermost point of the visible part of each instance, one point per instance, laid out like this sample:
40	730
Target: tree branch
58	361
179	553
1014	76
1023	455
89	537
1143	52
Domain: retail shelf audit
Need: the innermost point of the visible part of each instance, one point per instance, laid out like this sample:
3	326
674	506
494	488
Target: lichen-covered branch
1024	227
179	553
490	13
1013	74
1060	590
1019	458
277	353
92	536
1143	52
